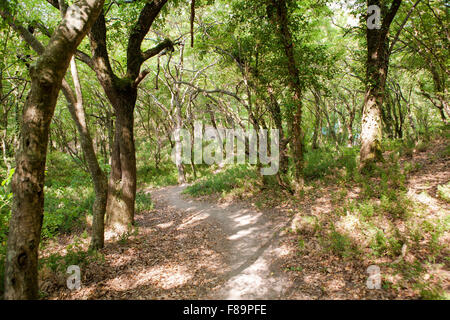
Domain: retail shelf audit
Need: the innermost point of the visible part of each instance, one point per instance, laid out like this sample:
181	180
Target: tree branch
166	44
401	26
100	57
389	17
146	18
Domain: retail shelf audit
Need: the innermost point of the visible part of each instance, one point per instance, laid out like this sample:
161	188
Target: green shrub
427	293
322	162
383	245
69	196
391	144
367	209
379	244
395	204
165	175
348	160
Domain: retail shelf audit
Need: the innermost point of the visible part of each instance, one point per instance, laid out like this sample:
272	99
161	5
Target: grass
340	244
235	177
444	192
323	162
69	197
143	202
164	175
75	255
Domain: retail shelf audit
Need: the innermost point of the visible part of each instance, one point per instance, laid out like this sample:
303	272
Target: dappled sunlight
243	218
282	251
349	223
240	286
242	233
192	220
165	225
165	276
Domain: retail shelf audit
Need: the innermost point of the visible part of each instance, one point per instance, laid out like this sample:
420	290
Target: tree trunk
76	109
178	143
280	18
275	111
122	180
25	225
376	74
350	133
122	94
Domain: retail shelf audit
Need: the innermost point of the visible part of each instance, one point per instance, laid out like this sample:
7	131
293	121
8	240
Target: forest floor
228	248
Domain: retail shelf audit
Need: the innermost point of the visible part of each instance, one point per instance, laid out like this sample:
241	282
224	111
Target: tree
28	180
77	112
376	73
427	47
122	94
278	13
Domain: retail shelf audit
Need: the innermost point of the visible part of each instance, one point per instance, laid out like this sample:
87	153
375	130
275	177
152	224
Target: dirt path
249	248
185	248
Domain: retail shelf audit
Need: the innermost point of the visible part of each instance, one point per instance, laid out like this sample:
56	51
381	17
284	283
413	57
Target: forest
224	149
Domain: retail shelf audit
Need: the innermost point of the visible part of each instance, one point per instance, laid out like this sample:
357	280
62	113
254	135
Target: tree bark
275	111
25	225
376	74
122	94
122	180
278	13
76	109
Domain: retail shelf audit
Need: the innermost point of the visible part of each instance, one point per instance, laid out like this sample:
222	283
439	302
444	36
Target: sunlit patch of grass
396	204
224	182
74	254
444	191
419	277
164	175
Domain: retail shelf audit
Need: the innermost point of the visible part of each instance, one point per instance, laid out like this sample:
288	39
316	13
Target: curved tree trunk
21	272
76	109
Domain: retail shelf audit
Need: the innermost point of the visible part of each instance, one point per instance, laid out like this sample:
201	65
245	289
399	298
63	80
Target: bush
318	163
69	196
382	245
396	204
165	175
